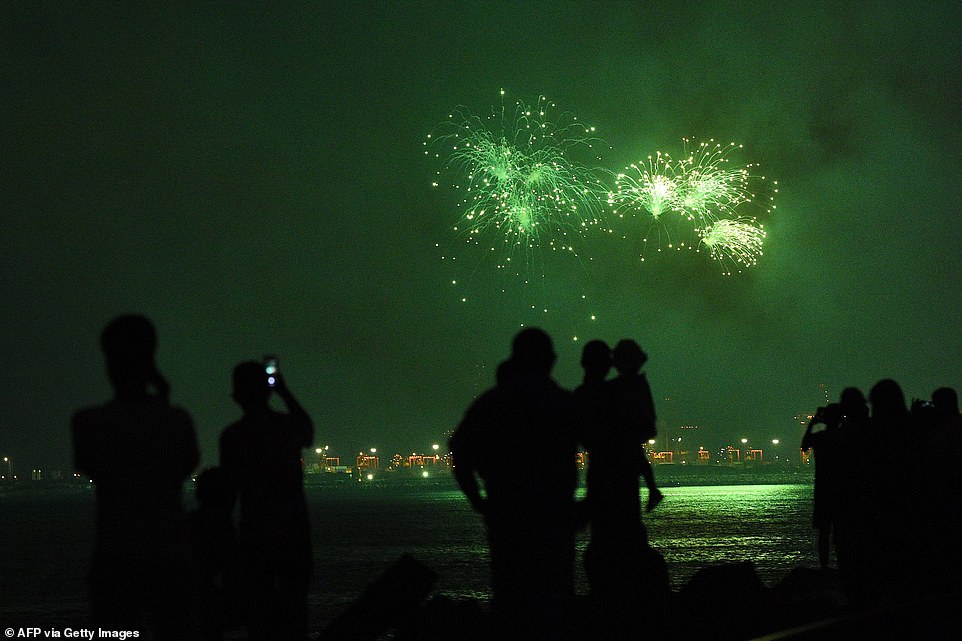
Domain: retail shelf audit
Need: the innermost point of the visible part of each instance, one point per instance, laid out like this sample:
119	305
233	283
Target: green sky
252	179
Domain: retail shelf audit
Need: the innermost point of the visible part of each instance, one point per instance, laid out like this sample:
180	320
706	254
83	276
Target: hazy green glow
517	176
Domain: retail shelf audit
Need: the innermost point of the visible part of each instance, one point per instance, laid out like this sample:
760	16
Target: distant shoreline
667	475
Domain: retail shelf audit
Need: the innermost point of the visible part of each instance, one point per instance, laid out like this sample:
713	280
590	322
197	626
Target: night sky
253	180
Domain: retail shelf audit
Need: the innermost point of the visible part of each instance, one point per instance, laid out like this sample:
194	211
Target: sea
709	516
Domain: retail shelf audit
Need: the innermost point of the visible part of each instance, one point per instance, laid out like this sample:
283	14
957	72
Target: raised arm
300	417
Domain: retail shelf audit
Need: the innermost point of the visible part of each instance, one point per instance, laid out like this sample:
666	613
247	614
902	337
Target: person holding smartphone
260	455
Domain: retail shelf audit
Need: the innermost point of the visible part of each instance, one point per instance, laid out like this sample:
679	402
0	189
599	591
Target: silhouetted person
261	458
622	570
594	404
528	505
213	540
942	545
826	445
855	477
887	502
634	409
138	450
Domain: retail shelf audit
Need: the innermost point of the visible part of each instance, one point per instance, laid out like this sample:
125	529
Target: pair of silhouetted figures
174	577
887	488
530	509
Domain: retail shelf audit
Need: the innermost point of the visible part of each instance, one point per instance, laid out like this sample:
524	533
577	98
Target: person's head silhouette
129	344
628	357
596	359
532	352
853	404
888	401
251	390
946	403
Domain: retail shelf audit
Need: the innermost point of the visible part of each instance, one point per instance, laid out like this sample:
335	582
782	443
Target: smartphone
270	368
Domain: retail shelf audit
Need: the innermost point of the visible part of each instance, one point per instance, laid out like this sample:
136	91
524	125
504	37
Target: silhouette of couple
138	449
529	506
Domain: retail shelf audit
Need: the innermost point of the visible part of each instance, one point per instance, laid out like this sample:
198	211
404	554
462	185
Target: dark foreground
725	602
753	544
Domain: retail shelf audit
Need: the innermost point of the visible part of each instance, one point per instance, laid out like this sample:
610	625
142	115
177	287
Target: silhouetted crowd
173	576
887	488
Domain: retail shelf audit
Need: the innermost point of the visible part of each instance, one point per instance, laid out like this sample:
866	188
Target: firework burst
652	186
520	185
710	186
735	243
718	197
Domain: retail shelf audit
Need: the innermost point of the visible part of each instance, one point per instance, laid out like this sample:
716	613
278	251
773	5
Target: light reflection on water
358	531
767	524
357	535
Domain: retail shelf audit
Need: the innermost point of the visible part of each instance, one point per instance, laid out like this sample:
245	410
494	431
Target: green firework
706	188
653	186
711	187
735	243
521	186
